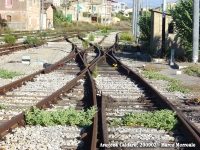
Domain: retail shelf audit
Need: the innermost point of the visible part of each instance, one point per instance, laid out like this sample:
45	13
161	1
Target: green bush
126	36
91	37
31	41
9	39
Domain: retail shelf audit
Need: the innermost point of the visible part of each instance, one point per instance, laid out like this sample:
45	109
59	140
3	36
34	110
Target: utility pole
195	41
136	1
77	14
163	29
41	23
133	18
138	19
105	11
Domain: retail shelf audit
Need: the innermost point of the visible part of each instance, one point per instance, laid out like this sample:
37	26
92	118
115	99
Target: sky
152	3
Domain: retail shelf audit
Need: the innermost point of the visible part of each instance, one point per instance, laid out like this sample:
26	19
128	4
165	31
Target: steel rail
9	48
190	133
19	119
19	82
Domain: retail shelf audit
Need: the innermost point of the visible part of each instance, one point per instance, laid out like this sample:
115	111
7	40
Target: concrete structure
172	41
25	14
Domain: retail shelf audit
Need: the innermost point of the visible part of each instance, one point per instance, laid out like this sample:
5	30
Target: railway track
122	99
123	95
116	91
79	97
9	48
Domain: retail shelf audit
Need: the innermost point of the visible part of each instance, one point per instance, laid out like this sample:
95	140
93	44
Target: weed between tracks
95	73
161	119
60	117
5	74
91	37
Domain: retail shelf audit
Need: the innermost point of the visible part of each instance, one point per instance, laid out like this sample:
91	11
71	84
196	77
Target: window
171	28
94	8
8	18
8	2
113	8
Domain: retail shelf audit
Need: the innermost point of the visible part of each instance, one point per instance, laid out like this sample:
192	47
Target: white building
118	6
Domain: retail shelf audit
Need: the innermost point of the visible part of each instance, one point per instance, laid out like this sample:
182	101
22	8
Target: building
25	14
172	41
93	11
118	6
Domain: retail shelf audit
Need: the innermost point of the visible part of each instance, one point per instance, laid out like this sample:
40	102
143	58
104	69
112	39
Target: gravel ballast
50	53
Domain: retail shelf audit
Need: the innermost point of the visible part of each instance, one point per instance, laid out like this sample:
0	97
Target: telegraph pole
138	19
195	41
105	12
41	24
77	14
163	29
133	18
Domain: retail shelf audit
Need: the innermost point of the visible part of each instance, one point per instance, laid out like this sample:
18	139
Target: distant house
93	11
118	6
25	14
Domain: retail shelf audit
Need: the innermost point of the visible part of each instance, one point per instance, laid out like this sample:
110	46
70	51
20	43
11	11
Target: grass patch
161	119
127	36
5	74
174	83
102	34
192	71
91	37
174	87
85	44
60	117
154	75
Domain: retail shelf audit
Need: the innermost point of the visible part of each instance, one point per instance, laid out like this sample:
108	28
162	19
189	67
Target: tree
66	4
2	22
145	27
59	18
182	15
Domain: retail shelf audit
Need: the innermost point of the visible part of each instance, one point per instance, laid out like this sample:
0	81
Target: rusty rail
19	82
189	130
19	119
